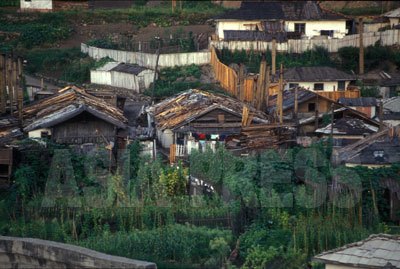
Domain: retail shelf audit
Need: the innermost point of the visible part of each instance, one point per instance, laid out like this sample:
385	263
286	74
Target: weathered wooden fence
355	93
147	59
385	38
226	76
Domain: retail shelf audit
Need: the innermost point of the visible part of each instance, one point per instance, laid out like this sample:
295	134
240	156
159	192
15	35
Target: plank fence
249	90
384	38
148	59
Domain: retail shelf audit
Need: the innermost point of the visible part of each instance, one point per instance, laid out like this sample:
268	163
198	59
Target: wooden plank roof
67	103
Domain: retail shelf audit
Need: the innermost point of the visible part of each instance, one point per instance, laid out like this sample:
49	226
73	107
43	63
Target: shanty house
391	111
36	5
72	116
393	16
294	18
309	104
318	78
377	251
366	105
349	126
122	75
197	119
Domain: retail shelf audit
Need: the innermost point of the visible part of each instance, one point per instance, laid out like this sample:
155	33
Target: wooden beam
273	57
10	81
280	96
3	83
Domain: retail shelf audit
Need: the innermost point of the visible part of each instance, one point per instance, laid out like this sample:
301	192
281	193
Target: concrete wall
148	60
38	133
328	85
35	253
386	38
36	5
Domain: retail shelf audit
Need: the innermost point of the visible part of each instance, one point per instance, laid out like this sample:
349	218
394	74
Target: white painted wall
394	21
313	28
232	25
37	133
328	85
36	4
122	80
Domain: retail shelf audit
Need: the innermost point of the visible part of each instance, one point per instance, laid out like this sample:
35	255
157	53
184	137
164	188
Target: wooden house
122	75
279	19
377	251
365	105
309	104
393	16
318	78
197	119
72	116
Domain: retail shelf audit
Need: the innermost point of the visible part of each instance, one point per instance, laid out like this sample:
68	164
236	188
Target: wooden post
261	83
155	72
173	5
361	55
332	119
240	88
3	83
280	95
10	82
316	113
20	89
15	79
296	103
267	85
273	57
381	116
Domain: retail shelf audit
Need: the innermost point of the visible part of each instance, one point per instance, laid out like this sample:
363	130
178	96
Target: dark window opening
44	134
341	85
318	86
300	28
311	107
327	33
293	85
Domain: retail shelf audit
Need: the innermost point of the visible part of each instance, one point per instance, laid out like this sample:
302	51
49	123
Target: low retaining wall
147	59
36	253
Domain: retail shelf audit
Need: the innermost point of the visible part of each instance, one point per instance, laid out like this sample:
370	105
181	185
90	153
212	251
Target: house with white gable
36	5
279	19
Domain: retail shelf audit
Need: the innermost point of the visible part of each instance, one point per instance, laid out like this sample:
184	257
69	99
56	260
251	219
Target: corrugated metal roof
280	10
129	68
361	101
316	73
377	251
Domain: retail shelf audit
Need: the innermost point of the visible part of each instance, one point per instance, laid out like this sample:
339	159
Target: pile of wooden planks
264	136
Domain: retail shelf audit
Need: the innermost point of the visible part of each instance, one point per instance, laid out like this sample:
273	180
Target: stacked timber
264	136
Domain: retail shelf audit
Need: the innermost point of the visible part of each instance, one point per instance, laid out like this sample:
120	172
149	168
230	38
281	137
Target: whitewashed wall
313	28
148	60
36	4
122	80
387	38
328	85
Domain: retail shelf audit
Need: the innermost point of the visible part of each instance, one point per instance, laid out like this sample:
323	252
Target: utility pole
361	55
273	57
3	91
280	96
155	70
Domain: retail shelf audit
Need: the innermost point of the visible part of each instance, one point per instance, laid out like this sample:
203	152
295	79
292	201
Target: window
341	85
293	85
221	118
300	28
28	0
44	134
327	33
318	86
311	107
